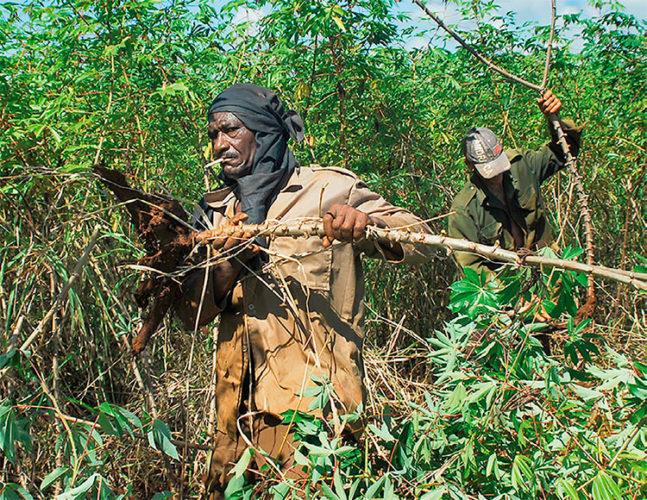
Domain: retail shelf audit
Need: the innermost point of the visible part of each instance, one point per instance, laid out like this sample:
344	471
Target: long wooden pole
314	227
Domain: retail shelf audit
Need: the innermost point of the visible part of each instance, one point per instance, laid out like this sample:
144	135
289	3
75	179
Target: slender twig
549	49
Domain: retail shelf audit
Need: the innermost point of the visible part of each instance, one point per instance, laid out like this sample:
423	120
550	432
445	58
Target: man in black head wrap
258	166
296	318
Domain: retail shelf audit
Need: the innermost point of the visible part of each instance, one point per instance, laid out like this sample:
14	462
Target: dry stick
58	487
582	198
467	47
554	121
76	273
549	50
314	227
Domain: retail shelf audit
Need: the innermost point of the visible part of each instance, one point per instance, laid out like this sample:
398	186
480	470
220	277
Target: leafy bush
464	400
501	420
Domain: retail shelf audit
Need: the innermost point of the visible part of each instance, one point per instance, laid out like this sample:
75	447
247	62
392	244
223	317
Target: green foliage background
128	83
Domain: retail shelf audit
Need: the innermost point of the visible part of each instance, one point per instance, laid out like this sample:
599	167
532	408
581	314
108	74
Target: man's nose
219	144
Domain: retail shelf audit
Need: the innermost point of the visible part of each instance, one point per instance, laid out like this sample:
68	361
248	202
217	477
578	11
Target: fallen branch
314	227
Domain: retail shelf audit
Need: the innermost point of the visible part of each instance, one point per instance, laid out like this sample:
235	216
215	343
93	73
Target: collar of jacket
222	197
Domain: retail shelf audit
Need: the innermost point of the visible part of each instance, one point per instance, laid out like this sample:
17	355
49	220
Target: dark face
232	142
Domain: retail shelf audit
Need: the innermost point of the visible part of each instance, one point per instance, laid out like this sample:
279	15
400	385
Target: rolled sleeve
372	204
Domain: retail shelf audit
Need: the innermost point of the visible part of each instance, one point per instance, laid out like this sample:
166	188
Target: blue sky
536	11
531	10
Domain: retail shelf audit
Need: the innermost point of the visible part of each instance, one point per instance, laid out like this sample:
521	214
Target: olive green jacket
478	216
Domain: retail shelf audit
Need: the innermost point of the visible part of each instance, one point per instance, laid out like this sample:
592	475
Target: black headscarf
262	112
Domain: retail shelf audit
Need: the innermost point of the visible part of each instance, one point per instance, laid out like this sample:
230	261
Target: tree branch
314	227
472	51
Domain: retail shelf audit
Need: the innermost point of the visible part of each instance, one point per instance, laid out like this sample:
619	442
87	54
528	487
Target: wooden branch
583	201
586	311
314	227
549	49
472	51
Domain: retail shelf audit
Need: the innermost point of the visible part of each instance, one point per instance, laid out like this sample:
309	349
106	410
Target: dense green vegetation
464	402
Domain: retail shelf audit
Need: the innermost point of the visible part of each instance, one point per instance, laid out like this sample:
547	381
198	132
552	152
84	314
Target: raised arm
550	159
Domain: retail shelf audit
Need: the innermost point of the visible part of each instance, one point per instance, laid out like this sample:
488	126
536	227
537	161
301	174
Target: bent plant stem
586	311
589	307
74	277
583	200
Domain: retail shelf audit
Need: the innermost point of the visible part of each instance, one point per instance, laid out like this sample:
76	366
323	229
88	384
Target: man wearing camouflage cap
502	201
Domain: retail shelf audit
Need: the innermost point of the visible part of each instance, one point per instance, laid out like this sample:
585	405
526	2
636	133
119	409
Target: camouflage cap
483	148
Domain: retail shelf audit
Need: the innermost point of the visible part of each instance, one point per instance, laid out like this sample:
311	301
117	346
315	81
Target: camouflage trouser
266	433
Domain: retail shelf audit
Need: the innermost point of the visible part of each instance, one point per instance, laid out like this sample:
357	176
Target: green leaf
280	491
52	477
338	22
8	431
605	488
163	495
159	438
80	491
235	487
243	462
328	493
172	89
569	489
491	464
435	494
522	475
7	357
371	491
13	491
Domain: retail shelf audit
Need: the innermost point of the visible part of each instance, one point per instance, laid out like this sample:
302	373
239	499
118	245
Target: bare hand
235	240
549	103
345	223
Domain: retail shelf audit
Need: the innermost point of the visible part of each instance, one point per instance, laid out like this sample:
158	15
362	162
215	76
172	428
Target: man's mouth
228	159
